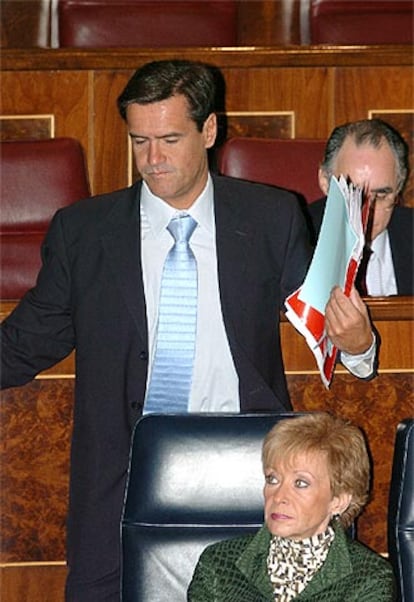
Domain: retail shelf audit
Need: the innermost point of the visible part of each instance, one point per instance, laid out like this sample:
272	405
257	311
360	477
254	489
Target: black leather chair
193	480
401	511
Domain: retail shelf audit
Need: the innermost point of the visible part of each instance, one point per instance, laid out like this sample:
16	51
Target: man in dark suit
99	291
373	154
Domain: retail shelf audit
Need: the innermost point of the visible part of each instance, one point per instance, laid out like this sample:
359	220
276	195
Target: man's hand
347	322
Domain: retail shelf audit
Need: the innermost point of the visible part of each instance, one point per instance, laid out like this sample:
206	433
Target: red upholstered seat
37	178
147	23
290	163
361	21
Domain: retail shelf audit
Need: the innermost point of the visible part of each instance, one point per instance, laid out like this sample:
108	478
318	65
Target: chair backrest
147	23
193	480
289	163
361	22
401	510
38	177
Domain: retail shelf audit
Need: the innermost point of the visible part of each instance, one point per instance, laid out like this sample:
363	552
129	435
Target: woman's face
298	498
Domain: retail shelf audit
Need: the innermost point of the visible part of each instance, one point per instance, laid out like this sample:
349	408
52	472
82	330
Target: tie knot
182	228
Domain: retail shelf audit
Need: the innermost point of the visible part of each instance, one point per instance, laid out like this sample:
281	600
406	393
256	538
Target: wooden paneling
321	87
36	425
359	90
33	582
64	94
110	160
283	89
394	355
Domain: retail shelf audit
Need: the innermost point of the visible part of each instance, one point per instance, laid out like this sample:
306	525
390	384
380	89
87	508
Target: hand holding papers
335	263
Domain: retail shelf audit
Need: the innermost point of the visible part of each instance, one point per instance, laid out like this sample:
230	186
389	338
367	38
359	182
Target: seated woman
316	482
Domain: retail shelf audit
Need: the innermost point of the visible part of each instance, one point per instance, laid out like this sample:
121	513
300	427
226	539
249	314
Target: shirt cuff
361	365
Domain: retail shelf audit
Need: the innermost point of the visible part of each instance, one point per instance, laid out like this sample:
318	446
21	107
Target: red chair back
288	163
38	177
356	22
150	23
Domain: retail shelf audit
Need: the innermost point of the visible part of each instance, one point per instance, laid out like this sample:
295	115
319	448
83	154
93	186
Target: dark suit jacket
90	295
236	570
400	231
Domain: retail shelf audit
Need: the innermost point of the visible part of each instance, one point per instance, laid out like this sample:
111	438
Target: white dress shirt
215	385
380	277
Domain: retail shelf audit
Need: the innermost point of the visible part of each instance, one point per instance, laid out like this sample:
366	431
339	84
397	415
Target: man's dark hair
160	80
372	132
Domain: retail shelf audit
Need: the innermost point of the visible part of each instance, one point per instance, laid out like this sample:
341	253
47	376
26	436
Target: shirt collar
379	244
159	213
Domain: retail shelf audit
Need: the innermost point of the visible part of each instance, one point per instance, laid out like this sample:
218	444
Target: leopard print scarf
291	563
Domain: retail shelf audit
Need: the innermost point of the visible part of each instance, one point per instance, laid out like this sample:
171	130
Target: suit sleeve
379	588
298	252
39	332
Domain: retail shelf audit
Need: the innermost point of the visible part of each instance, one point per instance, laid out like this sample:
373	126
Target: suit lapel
237	261
401	250
234	247
121	242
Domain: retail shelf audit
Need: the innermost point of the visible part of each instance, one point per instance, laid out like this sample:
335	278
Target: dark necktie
361	277
170	383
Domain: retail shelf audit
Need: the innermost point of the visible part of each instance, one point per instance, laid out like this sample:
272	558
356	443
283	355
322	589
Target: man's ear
323	181
210	130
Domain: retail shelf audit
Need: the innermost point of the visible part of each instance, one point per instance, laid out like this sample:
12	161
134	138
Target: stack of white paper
335	263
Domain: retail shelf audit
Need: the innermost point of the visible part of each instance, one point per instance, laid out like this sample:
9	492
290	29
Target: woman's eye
301	483
270	479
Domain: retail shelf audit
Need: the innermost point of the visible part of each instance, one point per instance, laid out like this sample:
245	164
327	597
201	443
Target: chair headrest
197	468
287	163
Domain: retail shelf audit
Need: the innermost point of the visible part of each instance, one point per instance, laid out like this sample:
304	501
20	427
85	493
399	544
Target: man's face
372	168
170	153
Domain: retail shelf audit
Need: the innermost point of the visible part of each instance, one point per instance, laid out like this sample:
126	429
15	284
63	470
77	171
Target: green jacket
236	571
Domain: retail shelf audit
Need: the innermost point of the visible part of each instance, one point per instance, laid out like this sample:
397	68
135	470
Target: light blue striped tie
170	384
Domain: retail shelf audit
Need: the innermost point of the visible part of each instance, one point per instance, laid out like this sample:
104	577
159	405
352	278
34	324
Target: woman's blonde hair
343	444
